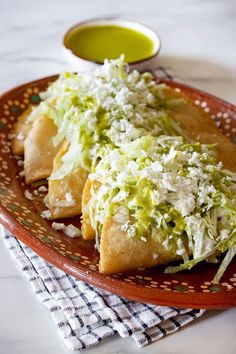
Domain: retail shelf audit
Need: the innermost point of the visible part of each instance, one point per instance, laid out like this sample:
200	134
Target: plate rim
107	282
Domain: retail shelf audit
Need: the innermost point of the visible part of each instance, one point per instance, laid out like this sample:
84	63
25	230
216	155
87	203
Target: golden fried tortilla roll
20	131
65	195
119	253
88	232
199	126
39	149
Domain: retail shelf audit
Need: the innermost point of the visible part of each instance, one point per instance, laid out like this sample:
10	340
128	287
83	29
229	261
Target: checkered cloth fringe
84	314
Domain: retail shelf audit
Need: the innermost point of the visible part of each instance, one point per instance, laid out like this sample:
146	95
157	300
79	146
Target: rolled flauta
20	131
39	149
65	194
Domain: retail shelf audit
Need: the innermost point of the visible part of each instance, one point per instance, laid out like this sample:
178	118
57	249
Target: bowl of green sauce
89	43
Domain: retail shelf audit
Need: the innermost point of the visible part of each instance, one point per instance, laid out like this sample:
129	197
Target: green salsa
98	42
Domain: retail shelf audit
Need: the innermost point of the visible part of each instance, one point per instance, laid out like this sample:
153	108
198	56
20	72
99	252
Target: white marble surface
198	41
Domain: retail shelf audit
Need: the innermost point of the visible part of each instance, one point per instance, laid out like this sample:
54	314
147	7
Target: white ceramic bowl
81	64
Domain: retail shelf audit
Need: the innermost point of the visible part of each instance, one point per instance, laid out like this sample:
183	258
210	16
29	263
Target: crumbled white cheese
224	234
186	205
131	232
42	189
170	181
150	98
20	163
20	136
158	196
122	216
70	199
125	226
68	202
17	157
194	159
155	256
180	252
28	195
46	214
58	226
71	231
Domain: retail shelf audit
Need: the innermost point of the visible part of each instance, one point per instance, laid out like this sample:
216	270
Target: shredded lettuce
226	261
167	184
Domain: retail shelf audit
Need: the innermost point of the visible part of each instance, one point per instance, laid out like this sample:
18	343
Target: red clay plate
79	258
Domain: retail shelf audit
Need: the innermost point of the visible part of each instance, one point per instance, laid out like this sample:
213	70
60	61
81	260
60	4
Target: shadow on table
210	314
206	75
199	69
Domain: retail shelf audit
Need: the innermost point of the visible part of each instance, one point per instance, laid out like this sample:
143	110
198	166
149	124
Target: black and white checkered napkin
84	314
